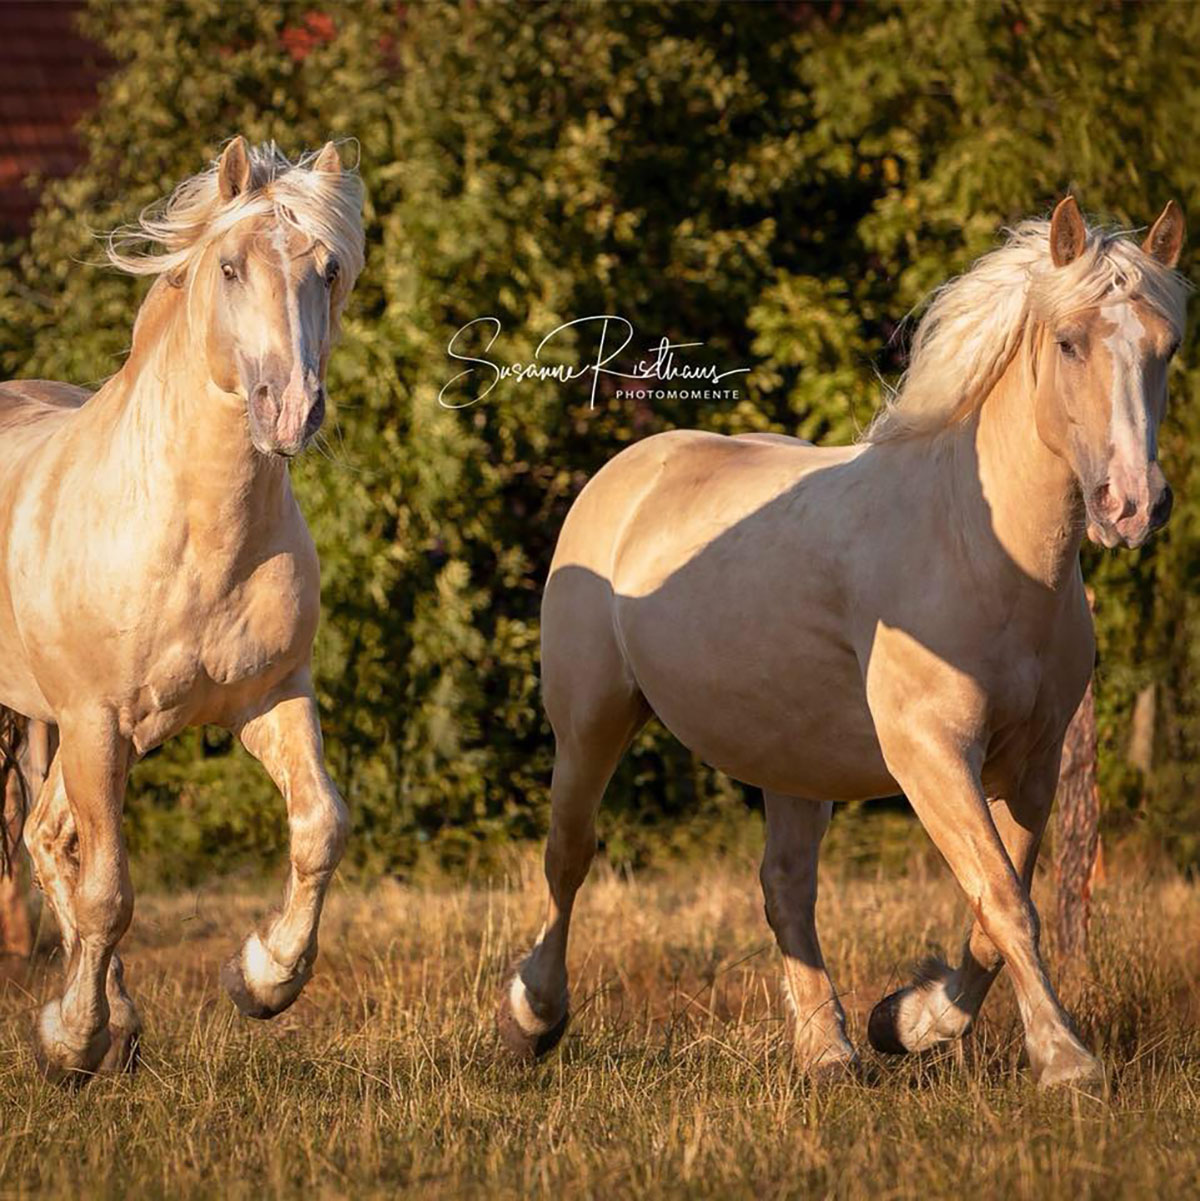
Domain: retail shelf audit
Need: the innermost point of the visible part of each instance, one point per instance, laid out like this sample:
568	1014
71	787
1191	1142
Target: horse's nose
264	405
1112	503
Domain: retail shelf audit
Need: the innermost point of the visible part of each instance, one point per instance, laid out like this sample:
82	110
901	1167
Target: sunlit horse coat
903	614
156	572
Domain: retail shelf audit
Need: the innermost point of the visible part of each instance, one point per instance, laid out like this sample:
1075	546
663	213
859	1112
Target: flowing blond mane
325	206
976	323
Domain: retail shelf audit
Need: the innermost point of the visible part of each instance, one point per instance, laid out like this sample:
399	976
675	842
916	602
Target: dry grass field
675	1079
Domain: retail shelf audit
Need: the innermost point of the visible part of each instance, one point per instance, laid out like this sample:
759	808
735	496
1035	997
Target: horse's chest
1013	688
220	653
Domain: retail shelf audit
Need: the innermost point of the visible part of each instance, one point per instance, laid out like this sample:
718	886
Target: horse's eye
229	271
1172	350
332	270
1068	348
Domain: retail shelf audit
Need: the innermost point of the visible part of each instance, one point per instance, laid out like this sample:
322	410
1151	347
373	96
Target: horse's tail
14	790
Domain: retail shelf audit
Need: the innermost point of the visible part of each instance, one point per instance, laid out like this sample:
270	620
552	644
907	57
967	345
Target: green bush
785	181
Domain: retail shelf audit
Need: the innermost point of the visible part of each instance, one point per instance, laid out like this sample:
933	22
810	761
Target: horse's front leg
941	779
75	839
942	1003
271	968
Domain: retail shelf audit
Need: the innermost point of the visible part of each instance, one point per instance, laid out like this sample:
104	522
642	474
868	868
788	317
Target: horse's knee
49	843
319	832
104	900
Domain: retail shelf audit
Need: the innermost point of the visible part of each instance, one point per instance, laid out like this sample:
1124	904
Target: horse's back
25	402
667	477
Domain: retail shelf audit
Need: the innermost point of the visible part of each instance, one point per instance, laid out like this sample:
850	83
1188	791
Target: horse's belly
19	689
787	715
19	692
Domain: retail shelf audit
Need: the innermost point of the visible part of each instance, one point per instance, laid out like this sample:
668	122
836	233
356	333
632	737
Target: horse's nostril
316	414
1162	507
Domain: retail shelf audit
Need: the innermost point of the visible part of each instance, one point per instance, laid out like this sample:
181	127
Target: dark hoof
124	1051
234	981
883	1028
522	1046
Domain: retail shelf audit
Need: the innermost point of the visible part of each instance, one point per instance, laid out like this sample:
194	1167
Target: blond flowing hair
325	206
976	323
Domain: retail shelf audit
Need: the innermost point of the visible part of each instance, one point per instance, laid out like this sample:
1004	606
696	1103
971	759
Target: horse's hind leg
53	847
942	1003
16	931
534	1008
75	841
595	709
795	828
22	788
271	968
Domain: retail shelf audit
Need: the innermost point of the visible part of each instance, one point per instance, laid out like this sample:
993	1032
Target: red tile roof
48	78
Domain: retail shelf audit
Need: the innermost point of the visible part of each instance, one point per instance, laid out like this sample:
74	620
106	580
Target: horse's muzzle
284	422
1125	511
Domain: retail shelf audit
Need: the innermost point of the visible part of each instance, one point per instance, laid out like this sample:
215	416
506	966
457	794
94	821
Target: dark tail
14	790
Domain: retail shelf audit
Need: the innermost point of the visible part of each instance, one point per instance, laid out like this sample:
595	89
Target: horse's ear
1165	239
329	160
233	171
1068	234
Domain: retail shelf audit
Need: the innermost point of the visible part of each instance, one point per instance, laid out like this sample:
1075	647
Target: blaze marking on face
292	412
1131	432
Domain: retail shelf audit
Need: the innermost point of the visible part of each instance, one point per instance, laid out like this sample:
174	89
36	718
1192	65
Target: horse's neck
1028	494
183	442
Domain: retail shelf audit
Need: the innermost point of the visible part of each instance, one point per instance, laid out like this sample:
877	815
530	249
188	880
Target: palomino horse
906	614
157	572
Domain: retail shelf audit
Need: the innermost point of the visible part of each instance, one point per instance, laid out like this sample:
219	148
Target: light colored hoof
256	983
526	1033
1072	1068
920	1016
60	1058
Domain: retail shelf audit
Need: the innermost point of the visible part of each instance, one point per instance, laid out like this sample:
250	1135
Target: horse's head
1102	374
275	295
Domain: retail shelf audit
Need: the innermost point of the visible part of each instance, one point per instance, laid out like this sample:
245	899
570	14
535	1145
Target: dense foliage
784	181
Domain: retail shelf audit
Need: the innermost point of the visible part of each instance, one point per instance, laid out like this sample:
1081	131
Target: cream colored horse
156	572
906	614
